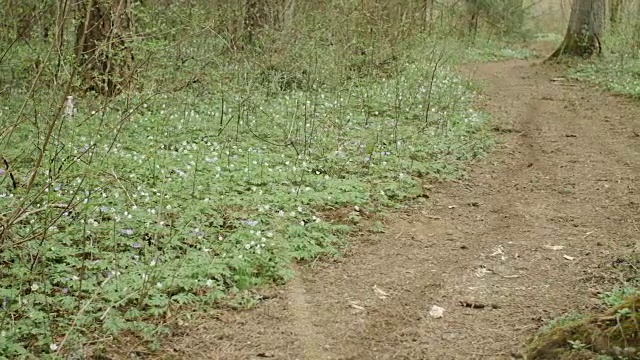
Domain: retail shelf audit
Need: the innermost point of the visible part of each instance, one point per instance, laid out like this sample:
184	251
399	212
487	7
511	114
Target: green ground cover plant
214	172
159	201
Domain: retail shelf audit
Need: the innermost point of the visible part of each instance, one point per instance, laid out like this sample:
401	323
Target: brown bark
102	53
584	32
473	13
255	18
428	10
636	34
265	14
615	7
506	16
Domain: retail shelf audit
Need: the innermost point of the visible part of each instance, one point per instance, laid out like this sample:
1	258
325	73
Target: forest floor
536	230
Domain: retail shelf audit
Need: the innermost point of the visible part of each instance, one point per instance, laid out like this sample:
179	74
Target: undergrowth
618	70
611	334
490	51
214	174
619	74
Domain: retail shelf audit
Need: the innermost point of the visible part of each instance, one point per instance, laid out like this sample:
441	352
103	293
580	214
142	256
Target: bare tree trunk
515	12
287	13
473	15
427	10
584	31
636	35
506	16
615	7
61	11
102	53
256	12
264	14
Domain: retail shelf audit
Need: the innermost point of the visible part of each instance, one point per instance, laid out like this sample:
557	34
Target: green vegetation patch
620	75
497	51
161	201
613	334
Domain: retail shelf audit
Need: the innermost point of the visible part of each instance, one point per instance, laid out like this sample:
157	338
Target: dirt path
566	175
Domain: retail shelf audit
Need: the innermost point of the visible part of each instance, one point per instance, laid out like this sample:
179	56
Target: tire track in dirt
566	174
311	342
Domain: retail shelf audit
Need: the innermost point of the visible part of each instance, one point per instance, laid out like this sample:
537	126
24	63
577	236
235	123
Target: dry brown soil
566	174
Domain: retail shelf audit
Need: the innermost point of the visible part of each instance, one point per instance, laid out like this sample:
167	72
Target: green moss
614	333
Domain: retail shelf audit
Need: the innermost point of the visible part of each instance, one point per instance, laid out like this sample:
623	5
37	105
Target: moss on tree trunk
578	46
582	38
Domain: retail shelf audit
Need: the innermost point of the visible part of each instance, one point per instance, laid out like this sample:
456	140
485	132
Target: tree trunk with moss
585	29
102	55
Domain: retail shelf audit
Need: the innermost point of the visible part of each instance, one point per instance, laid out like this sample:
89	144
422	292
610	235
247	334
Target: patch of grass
611	299
492	51
618	70
552	37
618	295
613	333
620	75
485	49
561	321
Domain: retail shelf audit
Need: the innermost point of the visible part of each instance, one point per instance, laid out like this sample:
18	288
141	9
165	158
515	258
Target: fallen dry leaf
436	312
482	271
265	355
477	305
498	251
381	293
510	276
